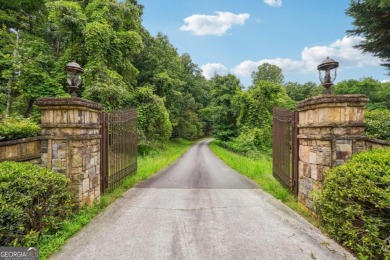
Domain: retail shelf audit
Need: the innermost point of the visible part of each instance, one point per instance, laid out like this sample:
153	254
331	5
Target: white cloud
385	81
211	69
246	68
274	3
217	24
341	50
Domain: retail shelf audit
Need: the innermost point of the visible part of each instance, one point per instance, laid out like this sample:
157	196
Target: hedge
354	205
33	201
16	128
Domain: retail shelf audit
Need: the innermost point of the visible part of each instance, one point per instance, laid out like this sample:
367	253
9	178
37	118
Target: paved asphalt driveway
199	208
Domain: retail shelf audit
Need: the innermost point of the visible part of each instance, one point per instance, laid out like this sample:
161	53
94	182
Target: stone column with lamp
72	129
331	129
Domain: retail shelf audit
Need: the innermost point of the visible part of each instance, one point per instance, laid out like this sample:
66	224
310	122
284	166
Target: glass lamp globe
327	73
73	76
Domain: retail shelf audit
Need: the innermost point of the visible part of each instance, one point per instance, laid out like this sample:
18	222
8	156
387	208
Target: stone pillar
331	129
72	129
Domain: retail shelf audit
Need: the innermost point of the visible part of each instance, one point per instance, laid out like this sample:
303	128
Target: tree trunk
29	107
57	47
11	79
9	97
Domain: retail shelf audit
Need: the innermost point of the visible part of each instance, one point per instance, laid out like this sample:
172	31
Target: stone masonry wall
21	150
372	143
72	129
331	129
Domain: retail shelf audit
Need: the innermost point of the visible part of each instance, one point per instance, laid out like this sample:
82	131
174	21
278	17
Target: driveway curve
199	208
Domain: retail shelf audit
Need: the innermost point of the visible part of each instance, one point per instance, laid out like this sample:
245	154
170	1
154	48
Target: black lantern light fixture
328	72
73	77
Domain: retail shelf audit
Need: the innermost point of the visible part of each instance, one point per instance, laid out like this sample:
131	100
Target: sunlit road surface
199	208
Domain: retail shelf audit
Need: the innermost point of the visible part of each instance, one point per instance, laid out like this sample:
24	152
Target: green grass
260	171
147	166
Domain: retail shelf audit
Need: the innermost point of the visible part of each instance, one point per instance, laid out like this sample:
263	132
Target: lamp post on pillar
327	73
73	77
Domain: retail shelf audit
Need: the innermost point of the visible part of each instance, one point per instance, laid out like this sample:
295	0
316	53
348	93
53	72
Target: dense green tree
153	117
159	56
196	83
195	96
299	92
27	66
125	66
9	65
242	118
111	42
255	115
188	124
23	15
66	24
36	76
372	21
384	93
256	103
178	80
222	111
268	72
378	93
38	38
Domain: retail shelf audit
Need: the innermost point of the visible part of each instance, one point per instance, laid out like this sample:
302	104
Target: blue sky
232	36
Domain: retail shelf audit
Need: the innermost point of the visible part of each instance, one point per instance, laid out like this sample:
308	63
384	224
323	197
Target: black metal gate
285	148
118	147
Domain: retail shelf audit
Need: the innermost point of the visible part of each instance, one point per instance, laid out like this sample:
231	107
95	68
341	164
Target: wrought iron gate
285	148
118	147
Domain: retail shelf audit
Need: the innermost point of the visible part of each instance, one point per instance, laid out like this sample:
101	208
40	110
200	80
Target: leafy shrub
354	205
33	201
251	142
378	123
15	128
144	149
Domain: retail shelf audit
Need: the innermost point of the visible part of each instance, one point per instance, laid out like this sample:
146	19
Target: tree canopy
378	93
268	72
372	21
125	66
299	92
